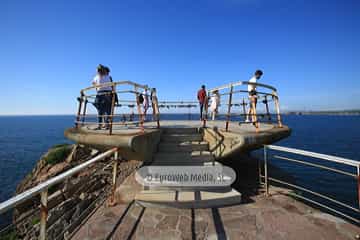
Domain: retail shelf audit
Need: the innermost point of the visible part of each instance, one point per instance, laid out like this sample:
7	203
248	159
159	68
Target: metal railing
233	96
42	189
123	94
264	94
333	159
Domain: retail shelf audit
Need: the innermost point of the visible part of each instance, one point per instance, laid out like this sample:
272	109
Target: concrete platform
135	144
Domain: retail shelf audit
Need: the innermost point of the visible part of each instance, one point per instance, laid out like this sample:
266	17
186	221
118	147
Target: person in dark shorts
202	98
253	96
103	96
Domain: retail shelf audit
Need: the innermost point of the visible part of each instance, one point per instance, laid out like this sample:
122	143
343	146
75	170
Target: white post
358	178
266	172
43	214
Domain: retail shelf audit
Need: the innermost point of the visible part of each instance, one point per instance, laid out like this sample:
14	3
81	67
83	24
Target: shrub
11	235
58	154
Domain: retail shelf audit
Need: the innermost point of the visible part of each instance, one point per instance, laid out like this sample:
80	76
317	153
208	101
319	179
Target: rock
71	201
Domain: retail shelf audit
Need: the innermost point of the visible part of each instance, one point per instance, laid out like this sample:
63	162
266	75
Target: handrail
14	201
247	110
43	187
239	83
110	84
326	157
315	155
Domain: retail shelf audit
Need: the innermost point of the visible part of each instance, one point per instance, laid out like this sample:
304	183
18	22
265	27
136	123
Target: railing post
267	108
112	110
80	99
84	111
244	108
358	176
259	170
114	177
116	156
229	108
43	214
277	106
139	109
266	172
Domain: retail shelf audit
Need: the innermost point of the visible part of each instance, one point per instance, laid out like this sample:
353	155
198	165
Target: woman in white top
215	103
103	96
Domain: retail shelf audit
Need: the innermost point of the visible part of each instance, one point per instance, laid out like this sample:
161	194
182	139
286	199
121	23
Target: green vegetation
60	145
35	221
58	154
10	235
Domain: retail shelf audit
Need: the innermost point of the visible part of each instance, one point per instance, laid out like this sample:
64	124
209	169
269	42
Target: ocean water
23	139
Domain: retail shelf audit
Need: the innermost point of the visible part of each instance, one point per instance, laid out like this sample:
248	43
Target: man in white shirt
253	96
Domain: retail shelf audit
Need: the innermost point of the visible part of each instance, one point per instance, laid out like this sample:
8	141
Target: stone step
181	137
186	130
183	147
197	162
187	189
187	199
196	156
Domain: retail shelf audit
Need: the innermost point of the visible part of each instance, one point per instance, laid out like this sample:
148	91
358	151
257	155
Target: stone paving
257	217
275	217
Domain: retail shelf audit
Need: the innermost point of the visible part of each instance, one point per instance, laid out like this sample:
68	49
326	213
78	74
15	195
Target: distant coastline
310	112
331	112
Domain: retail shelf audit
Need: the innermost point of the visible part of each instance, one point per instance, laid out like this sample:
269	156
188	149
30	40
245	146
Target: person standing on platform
215	103
253	97
103	96
202	98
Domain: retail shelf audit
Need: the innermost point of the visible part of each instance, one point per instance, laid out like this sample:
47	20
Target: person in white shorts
253	95
215	103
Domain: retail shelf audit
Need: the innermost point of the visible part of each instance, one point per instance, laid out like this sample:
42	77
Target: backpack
141	98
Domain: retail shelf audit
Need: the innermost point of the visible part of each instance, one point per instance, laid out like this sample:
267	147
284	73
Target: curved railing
236	95
127	95
235	105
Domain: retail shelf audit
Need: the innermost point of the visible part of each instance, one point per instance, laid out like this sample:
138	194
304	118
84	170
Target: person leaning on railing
103	96
253	96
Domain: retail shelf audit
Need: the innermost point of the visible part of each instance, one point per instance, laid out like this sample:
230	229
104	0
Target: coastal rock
71	201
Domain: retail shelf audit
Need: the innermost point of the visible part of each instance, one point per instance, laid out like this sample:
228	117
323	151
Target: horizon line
72	114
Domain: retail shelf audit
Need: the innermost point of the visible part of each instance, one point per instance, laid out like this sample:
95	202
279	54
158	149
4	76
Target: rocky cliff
72	201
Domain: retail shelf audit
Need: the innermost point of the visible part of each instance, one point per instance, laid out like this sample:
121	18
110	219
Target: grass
35	221
11	235
58	154
60	145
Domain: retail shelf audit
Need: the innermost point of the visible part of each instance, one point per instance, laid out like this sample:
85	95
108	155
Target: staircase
185	147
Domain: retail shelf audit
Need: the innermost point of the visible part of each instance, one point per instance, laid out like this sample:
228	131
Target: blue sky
309	50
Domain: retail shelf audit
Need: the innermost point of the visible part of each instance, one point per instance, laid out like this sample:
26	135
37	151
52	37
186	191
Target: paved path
277	217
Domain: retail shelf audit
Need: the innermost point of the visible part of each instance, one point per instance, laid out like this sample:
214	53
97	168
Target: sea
23	139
